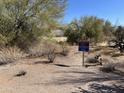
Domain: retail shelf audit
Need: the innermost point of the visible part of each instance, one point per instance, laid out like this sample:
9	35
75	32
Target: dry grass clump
42	48
10	54
96	49
46	49
107	52
53	48
36	50
49	49
117	54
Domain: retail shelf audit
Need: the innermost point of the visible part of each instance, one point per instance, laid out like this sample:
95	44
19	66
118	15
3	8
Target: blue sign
84	46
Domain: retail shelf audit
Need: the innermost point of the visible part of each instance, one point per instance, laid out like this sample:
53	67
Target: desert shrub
51	55
96	49
3	40
50	49
43	47
90	27
10	54
117	54
25	40
64	48
23	27
46	48
108	68
107	52
119	38
95	59
36	50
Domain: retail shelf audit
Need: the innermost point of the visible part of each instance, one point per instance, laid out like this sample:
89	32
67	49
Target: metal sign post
83	58
83	47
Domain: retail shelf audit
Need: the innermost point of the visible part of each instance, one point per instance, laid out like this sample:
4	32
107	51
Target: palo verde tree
27	20
108	30
93	28
73	32
90	28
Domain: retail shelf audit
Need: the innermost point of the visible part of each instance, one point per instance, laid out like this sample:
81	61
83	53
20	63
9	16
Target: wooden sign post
83	47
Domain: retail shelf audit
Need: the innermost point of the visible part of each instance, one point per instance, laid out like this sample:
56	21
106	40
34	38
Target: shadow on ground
42	62
83	78
61	65
100	88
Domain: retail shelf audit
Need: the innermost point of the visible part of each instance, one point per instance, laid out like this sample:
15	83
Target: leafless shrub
65	49
43	48
36	50
96	59
49	49
51	55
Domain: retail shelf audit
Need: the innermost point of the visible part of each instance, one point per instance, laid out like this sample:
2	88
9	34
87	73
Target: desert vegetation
25	24
33	59
89	28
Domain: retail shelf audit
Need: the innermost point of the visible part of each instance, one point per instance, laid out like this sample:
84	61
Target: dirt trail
66	75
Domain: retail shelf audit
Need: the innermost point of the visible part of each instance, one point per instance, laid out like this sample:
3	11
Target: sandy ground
65	75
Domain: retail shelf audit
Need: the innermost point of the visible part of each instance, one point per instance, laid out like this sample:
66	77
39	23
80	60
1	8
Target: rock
21	73
101	88
95	59
108	68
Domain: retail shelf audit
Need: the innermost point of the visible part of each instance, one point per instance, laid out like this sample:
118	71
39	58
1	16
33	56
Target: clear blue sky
112	10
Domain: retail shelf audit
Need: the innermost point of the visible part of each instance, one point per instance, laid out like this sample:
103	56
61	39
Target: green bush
88	28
